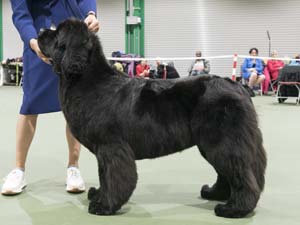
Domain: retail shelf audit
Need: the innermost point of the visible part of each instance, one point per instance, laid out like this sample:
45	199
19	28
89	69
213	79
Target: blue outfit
294	63
249	63
40	84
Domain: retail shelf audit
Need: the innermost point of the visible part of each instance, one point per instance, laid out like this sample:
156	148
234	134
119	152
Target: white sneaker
14	182
75	183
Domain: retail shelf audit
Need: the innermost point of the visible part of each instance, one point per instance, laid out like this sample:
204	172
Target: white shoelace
74	174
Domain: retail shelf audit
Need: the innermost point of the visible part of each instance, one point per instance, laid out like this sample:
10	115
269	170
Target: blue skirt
40	83
40	86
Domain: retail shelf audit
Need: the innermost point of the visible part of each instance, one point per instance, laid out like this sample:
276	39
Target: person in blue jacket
252	69
40	84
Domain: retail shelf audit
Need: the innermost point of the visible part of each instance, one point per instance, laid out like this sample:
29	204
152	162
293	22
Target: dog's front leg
118	178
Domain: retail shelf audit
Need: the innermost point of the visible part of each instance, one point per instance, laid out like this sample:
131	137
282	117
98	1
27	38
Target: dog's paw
92	193
205	191
214	194
228	211
97	208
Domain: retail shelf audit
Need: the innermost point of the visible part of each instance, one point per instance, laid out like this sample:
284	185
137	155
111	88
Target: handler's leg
74	148
75	183
26	127
15	180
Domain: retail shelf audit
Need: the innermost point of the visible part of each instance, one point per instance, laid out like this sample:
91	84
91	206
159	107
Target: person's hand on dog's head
92	22
35	47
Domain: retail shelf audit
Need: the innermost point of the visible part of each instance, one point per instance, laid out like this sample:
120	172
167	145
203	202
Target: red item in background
273	67
165	73
140	70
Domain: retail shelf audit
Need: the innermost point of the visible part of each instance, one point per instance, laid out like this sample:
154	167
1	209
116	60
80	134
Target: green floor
165	193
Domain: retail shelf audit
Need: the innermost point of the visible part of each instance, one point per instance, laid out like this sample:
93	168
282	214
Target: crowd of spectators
264	73
255	72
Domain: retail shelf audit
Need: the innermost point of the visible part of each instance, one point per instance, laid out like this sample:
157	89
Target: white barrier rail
261	57
194	58
235	57
168	58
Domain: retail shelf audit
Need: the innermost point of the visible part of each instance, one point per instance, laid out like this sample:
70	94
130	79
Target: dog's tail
260	163
255	140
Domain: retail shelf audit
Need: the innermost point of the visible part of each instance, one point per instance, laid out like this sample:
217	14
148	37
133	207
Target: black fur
121	120
170	70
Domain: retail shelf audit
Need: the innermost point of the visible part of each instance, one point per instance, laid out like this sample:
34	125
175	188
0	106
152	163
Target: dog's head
68	47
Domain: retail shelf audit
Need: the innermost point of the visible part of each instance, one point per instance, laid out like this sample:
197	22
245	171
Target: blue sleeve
259	66
87	6
245	72
244	66
22	20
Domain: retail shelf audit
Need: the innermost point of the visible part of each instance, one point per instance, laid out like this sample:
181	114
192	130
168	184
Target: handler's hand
35	47
92	23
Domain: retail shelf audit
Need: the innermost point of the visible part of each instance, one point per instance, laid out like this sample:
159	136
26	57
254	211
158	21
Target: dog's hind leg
236	181
220	191
118	178
244	196
231	142
245	175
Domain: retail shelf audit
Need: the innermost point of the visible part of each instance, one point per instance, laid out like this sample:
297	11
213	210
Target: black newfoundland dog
121	120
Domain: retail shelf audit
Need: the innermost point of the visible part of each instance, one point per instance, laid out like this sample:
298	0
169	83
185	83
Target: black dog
171	72
121	120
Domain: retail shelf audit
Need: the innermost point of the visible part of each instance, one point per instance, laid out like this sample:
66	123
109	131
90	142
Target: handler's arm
87	6
89	9
23	21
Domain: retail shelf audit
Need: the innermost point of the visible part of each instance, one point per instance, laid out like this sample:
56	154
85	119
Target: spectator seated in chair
199	66
271	71
165	70
142	69
118	66
296	62
252	69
